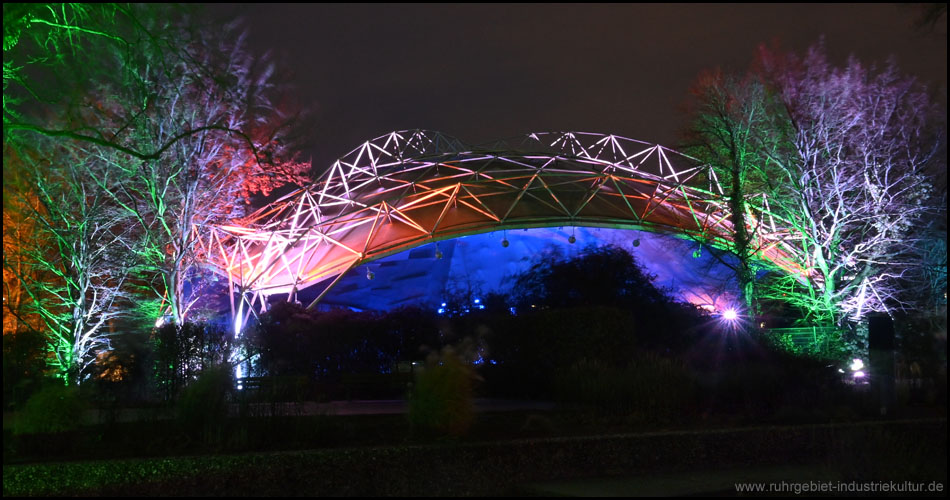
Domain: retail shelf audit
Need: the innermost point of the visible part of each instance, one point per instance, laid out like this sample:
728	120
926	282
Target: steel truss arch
409	188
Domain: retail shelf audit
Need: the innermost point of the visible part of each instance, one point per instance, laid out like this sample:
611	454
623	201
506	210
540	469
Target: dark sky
482	72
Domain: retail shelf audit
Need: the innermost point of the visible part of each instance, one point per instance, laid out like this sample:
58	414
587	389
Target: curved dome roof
407	188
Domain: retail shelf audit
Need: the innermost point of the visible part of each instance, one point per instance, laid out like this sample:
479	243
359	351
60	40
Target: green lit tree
726	116
57	56
176	109
140	126
74	272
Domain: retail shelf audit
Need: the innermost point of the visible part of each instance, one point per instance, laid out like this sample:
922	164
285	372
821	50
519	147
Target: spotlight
730	315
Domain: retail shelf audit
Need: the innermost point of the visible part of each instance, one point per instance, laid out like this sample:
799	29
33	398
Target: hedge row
907	450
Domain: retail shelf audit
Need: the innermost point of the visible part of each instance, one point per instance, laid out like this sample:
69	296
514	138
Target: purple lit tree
224	141
853	185
842	154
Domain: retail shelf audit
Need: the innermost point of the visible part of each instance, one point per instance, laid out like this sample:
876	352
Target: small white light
856	364
730	315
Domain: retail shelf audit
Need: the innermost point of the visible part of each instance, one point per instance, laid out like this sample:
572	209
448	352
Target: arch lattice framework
409	188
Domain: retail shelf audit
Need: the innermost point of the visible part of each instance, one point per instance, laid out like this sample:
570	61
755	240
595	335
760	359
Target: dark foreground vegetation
909	451
637	384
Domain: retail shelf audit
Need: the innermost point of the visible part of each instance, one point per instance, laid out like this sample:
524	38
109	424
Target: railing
348	387
806	337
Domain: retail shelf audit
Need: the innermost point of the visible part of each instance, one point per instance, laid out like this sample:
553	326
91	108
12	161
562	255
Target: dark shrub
54	408
203	405
650	387
760	382
328	345
182	352
24	354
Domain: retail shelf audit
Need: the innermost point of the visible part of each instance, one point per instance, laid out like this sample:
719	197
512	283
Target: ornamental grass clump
442	399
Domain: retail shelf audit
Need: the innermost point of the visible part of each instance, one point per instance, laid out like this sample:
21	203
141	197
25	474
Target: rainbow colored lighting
410	188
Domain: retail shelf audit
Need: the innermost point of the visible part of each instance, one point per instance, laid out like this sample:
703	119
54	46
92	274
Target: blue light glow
479	259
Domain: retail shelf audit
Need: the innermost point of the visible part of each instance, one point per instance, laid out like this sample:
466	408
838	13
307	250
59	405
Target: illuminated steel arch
409	188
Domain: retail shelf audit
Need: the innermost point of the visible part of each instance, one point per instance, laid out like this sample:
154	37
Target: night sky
483	72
